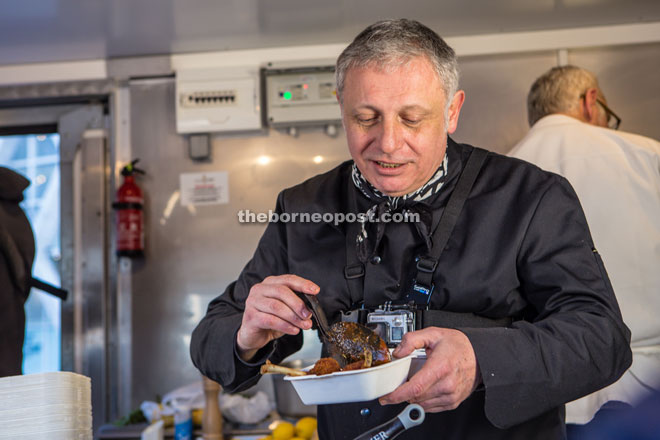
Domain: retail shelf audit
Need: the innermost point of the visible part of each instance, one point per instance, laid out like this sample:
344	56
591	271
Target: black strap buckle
353	271
427	264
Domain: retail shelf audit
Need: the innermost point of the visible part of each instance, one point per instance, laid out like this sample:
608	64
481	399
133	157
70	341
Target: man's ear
590	108
454	111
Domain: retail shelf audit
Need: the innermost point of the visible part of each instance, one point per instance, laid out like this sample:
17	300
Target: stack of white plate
53	406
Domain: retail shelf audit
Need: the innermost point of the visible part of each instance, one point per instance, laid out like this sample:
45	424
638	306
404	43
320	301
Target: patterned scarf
415	202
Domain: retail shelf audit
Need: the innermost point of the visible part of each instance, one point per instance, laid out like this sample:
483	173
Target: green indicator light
287	96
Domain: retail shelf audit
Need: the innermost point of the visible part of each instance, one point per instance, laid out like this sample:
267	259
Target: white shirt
616	175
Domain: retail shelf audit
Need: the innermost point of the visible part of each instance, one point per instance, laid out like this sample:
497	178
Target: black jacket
521	248
16	257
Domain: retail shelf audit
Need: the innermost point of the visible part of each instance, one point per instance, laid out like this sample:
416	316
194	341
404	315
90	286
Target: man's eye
411	121
367	120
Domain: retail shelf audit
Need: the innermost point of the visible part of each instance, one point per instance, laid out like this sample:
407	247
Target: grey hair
392	43
558	91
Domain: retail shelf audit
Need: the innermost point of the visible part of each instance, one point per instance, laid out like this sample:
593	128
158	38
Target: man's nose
391	138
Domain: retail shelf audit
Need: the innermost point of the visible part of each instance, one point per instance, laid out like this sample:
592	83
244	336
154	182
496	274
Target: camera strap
423	283
354	270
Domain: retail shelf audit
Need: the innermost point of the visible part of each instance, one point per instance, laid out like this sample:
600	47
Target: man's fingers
439	404
284	286
411	341
272	309
285	309
282	294
413	390
294	282
281	300
259	321
446	378
274	322
436	394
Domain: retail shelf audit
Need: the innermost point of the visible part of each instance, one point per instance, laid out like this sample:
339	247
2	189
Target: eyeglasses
613	120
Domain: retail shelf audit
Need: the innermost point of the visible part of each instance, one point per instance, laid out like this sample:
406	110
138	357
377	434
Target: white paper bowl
351	386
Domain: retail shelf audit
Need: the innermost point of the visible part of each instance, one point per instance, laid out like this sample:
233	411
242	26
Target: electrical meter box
218	100
300	96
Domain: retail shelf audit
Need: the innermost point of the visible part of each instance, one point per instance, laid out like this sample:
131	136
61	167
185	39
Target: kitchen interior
225	104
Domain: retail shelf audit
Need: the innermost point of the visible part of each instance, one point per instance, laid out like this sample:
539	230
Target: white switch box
218	100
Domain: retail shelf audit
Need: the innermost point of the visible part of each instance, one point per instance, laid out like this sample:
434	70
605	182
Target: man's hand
272	309
448	376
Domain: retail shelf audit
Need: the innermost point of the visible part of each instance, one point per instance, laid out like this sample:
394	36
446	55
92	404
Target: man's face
395	124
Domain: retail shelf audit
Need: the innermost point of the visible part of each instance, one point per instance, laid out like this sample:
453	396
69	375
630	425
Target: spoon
348	340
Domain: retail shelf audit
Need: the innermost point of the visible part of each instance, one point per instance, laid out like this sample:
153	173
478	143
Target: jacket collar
557	119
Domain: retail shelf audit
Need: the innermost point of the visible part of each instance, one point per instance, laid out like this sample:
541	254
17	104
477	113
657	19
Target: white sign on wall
204	188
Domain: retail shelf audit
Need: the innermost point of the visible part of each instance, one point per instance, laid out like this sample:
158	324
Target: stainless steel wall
192	254
494	115
630	80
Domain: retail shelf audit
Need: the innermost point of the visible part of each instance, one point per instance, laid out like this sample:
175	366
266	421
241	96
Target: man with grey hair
571	91
617	178
498	270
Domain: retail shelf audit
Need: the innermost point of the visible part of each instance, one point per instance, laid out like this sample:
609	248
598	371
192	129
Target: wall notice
210	188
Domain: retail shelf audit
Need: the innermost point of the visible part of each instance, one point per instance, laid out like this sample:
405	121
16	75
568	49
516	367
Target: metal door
84	212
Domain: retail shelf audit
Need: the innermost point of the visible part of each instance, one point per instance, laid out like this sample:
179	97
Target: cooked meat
325	366
358	365
354	366
351	339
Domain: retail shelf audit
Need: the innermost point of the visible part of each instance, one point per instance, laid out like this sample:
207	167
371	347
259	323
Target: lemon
168	421
305	427
283	431
197	416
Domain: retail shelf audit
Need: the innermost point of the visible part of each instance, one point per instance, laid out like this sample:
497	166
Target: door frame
86	180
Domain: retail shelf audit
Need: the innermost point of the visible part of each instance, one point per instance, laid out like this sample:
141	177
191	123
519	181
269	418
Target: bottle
183	426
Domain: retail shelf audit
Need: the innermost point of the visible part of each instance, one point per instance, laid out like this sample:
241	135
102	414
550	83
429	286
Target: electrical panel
218	100
301	96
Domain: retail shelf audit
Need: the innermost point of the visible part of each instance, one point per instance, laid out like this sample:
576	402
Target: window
37	157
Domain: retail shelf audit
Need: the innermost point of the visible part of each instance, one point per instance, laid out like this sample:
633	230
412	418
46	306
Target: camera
391	322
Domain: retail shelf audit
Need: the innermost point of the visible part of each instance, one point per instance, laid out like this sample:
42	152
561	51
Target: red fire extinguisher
130	219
